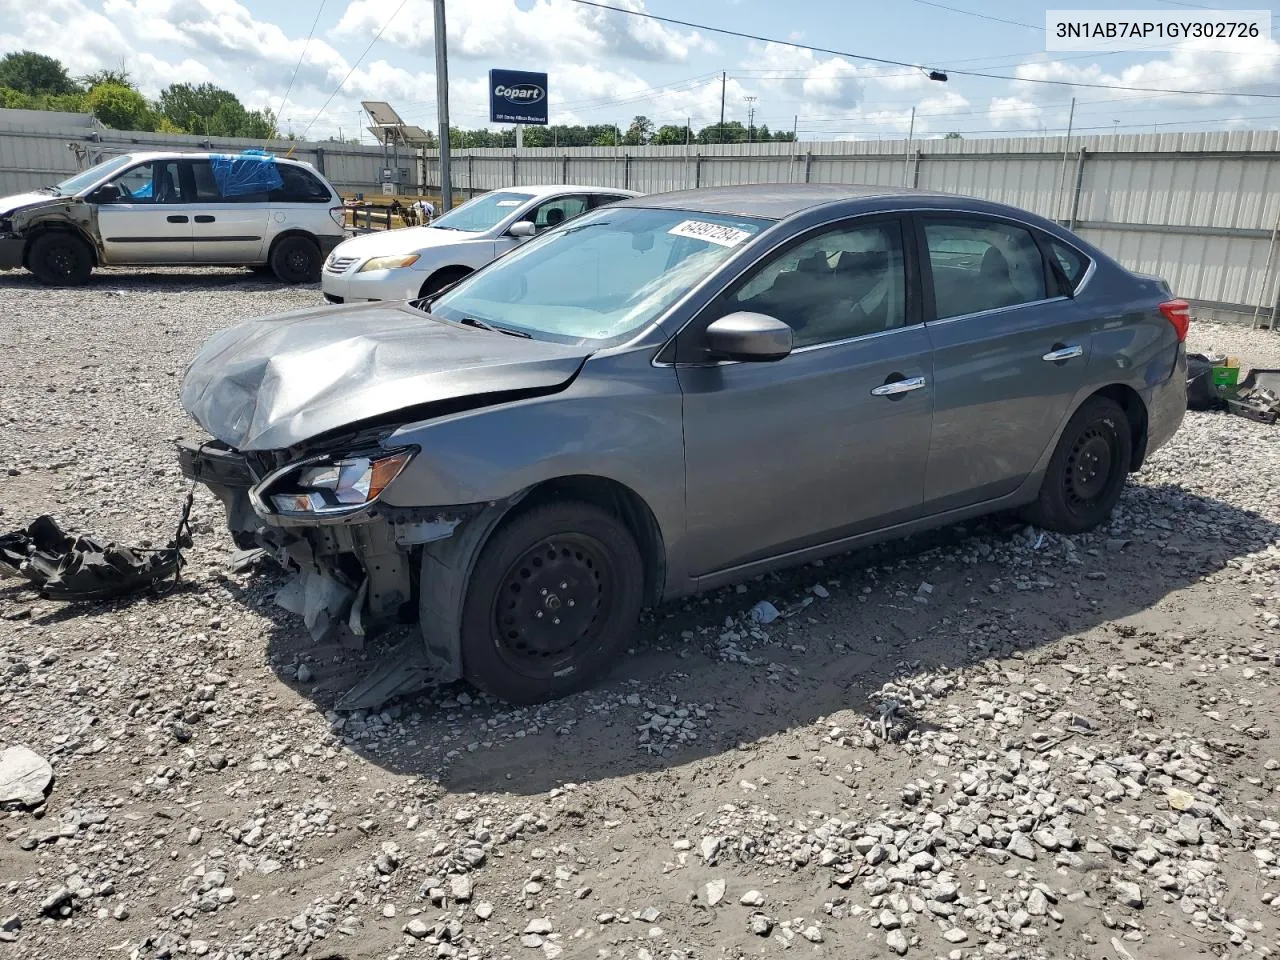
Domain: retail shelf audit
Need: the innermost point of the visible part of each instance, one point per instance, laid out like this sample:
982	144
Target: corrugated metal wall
1198	209
38	148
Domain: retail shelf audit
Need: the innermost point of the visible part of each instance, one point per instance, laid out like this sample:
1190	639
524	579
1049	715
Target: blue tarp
240	174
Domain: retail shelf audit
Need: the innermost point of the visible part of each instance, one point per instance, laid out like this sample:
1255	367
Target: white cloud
547	33
1015	113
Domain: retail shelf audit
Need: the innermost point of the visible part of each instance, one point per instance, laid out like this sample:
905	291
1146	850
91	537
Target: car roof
774	201
543	189
201	155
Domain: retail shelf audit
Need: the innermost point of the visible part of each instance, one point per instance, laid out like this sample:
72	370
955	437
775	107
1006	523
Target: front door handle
1062	352
205	218
176	218
896	388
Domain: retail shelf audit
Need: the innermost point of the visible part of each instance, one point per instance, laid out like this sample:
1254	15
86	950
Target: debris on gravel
992	741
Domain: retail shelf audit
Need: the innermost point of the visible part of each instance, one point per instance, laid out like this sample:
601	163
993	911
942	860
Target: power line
903	63
297	66
375	39
980	16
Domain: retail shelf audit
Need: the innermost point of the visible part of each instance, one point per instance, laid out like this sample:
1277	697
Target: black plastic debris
74	568
1202	392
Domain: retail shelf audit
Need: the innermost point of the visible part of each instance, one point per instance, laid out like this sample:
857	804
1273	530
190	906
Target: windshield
482	213
73	185
606	275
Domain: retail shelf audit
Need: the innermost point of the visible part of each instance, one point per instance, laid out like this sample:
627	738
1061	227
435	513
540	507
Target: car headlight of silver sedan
390	263
327	486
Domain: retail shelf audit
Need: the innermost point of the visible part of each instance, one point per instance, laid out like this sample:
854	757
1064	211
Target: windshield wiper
53	190
485	325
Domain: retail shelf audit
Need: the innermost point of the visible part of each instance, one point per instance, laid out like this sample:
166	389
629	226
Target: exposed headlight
390	263
334	486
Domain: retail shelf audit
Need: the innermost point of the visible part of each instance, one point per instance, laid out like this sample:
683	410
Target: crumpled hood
277	381
20	200
385	243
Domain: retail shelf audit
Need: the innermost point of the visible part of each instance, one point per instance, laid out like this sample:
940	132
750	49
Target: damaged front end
38	212
355	561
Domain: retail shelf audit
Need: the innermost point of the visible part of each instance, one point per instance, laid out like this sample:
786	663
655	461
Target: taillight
338	215
1178	313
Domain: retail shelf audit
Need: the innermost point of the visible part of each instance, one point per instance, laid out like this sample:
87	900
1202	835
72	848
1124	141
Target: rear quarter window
1072	262
299	186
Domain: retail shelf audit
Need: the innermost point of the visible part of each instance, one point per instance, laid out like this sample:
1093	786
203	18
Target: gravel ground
990	742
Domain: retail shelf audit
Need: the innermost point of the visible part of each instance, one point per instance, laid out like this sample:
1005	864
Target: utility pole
688	125
906	162
1066	148
720	129
442	107
795	125
751	117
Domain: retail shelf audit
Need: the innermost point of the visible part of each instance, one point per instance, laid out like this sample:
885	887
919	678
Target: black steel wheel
60	259
553	597
1086	474
296	259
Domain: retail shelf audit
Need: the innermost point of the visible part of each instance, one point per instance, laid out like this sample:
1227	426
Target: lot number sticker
711	232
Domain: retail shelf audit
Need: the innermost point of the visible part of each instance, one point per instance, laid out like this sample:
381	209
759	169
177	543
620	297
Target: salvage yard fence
1201	210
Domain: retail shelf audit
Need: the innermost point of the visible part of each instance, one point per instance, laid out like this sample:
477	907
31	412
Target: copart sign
516	96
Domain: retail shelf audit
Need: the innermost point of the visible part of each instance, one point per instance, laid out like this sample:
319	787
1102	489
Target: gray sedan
675	393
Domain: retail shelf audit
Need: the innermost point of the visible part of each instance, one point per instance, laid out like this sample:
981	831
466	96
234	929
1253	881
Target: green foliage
120	107
34	73
194	106
639	133
114	78
12	99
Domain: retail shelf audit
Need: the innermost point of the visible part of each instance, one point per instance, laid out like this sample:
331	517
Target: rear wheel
60	259
1087	471
296	260
554	596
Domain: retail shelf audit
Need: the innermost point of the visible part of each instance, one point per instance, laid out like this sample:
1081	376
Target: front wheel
60	259
554	596
1087	471
296	260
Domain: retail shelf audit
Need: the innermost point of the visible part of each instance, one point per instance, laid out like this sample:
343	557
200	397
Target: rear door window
557	211
979	264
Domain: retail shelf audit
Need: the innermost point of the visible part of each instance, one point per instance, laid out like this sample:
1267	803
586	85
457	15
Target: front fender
620	420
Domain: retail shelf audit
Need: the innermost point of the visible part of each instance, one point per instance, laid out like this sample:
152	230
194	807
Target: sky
608	67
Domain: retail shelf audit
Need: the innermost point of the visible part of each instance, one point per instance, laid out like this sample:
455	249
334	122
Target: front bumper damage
355	575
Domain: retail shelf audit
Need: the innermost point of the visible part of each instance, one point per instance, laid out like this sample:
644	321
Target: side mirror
522	229
107	193
748	337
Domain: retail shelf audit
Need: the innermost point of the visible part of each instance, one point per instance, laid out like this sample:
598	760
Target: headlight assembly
331	485
390	263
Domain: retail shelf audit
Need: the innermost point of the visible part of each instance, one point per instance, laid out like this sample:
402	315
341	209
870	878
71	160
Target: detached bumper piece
80	568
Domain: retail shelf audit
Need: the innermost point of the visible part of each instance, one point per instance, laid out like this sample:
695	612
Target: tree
34	73
12	99
669	133
953	136
640	132
193	106
115	78
119	107
258	124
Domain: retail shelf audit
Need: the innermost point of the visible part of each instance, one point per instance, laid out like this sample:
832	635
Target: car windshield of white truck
483	213
602	277
73	185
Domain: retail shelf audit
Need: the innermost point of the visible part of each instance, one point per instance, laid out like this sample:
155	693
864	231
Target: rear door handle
1058	354
205	218
177	218
896	388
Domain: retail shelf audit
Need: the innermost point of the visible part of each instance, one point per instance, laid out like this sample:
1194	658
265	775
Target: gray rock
460	888
896	942
714	892
760	925
1020	846
955	935
484	909
540	925
1130	894
812	934
24	777
752	898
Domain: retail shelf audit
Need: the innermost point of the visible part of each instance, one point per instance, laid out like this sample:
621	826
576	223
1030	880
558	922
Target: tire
1087	471
296	260
262	270
60	259
441	279
553	598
